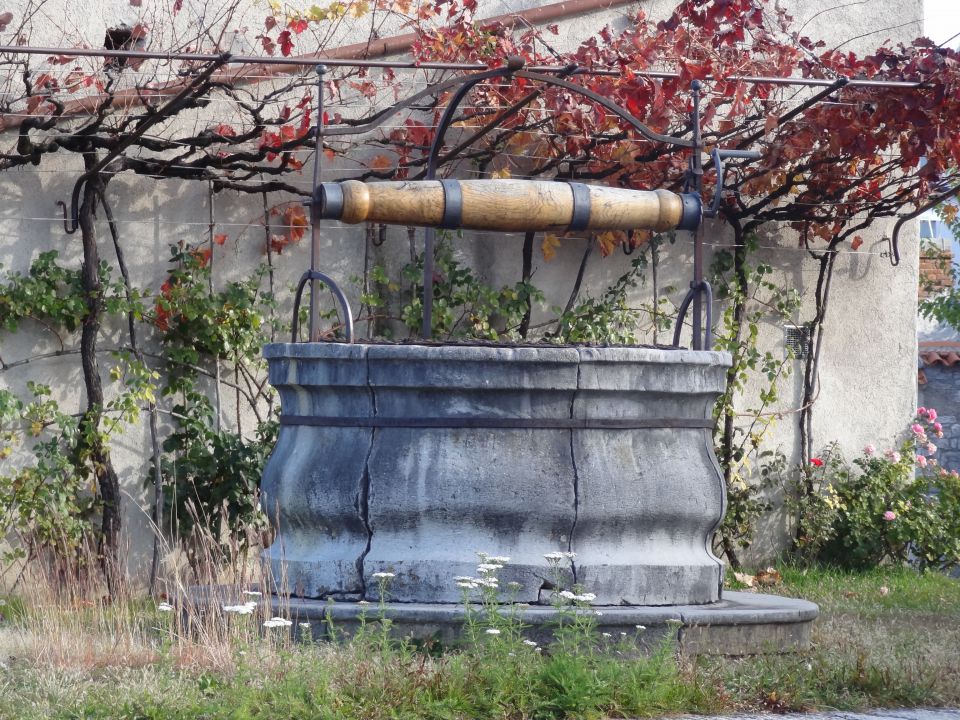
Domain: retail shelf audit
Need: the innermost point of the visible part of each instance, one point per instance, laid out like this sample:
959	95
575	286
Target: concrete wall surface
868	375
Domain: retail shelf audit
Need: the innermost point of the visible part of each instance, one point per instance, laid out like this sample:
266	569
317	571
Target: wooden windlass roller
507	205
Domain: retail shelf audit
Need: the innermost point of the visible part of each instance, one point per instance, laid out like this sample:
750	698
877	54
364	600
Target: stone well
408	458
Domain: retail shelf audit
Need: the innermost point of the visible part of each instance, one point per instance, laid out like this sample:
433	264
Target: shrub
896	506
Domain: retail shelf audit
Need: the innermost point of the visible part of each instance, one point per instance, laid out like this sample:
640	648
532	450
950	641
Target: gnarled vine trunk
92	451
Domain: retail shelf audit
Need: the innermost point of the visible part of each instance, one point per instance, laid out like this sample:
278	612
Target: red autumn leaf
270	23
296	219
224	130
298	25
286	43
203	256
857	242
177	6
269	46
220	239
5	19
381	163
136	3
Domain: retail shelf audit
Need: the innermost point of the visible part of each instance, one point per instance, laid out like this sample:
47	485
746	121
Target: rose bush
896	506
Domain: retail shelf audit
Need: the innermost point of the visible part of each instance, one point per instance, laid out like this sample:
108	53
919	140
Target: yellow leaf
607	241
500	174
549	246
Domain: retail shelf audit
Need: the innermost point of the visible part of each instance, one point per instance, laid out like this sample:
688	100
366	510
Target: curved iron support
513	65
72	221
903	219
696	290
337	293
609	105
718	156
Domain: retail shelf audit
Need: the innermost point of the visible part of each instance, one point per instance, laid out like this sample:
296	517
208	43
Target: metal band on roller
452	204
580	218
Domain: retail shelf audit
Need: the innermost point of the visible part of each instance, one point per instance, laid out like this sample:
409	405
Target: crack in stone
363	496
576	476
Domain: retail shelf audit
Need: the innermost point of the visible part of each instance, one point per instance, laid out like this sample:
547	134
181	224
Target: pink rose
921	461
931	414
921	412
891	455
917	429
889	516
869	450
937	427
931	448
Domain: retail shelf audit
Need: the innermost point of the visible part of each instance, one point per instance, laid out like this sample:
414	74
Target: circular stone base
739	624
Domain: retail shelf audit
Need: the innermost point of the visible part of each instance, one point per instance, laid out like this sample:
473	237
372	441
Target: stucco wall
867	388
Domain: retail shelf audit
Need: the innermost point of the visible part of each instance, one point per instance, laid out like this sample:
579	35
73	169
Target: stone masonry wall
942	391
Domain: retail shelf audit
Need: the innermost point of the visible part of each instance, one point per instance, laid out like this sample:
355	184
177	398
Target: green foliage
47	495
464	306
606	319
211	476
45	501
48	292
750	286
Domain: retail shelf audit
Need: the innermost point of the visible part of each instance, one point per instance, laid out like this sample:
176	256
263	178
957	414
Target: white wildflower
484	568
463	578
244	609
165	607
566	594
554	556
467	585
277	622
606	634
586	597
363	602
252	593
569	555
305	626
382	575
489	582
492	631
640	627
598	613
499	559
623	634
531	643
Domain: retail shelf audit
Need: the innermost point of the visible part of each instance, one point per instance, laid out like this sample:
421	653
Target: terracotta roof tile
943	357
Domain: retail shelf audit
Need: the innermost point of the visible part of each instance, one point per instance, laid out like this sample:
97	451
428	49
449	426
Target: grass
872	647
885	638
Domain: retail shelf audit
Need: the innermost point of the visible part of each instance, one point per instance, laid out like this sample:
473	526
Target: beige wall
868	378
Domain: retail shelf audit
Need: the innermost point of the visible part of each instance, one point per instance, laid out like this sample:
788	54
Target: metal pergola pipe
312	61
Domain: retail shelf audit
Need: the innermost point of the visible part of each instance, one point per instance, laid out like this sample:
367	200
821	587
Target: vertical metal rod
426	329
696	165
315	212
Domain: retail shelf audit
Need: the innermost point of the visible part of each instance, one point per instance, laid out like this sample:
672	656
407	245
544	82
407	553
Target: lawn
886	638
